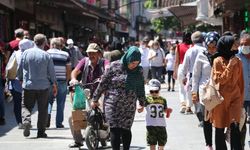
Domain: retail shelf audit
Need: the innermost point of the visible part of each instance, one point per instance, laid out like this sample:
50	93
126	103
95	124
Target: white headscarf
25	44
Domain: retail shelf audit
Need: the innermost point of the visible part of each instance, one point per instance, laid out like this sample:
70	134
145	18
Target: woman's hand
140	109
94	104
233	61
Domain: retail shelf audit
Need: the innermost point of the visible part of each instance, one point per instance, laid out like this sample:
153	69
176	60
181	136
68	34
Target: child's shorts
156	135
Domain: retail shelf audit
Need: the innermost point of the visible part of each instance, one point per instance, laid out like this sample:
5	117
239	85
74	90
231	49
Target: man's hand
54	90
184	81
175	75
73	82
94	104
140	109
194	97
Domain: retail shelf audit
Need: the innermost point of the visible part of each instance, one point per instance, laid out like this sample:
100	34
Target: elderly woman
156	57
227	71
201	74
122	84
14	85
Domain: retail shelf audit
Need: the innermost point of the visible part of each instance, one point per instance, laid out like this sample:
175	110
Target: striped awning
172	3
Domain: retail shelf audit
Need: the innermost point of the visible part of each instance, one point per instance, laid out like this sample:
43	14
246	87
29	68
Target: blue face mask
245	49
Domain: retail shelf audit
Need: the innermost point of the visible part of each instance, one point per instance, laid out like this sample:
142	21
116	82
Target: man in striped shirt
62	67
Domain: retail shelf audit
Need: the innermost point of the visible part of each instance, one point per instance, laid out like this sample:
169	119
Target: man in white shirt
144	58
188	64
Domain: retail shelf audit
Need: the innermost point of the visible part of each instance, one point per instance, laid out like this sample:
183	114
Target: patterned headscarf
212	37
134	81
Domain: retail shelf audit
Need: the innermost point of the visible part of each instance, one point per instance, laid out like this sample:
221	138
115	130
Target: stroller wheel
91	138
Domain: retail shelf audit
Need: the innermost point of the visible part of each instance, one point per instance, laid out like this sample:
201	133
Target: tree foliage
149	4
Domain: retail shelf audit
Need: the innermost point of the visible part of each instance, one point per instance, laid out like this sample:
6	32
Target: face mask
172	52
155	47
143	46
245	50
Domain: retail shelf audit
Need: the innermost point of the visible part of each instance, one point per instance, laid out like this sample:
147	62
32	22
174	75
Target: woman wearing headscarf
227	72
14	84
122	84
201	74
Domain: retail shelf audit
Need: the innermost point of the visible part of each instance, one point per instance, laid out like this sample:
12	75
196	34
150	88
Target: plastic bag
79	99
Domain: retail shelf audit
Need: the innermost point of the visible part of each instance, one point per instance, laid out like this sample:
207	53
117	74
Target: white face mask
245	50
155	47
143	46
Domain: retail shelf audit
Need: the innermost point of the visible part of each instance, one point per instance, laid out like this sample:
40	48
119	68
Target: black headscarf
224	47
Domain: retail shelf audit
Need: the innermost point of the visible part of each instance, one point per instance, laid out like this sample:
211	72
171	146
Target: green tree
158	24
149	4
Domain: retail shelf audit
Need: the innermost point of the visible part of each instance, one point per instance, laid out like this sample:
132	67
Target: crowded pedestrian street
183	131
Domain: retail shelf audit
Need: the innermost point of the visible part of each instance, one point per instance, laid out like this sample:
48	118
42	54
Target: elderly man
244	55
74	53
37	74
62	67
188	64
92	68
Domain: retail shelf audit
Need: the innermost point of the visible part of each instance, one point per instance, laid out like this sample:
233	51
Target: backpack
11	67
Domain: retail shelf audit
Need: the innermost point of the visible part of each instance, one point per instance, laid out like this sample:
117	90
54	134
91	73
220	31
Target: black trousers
116	134
235	138
208	133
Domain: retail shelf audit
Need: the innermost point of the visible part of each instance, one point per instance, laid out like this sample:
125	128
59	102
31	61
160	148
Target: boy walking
155	118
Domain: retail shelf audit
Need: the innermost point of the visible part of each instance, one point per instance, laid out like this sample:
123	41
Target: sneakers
20	126
183	109
48	121
188	111
2	121
26	131
209	148
201	124
41	135
60	126
75	144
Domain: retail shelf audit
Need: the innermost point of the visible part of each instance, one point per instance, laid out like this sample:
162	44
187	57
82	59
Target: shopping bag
79	99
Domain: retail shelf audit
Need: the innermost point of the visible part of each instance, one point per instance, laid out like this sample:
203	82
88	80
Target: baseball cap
70	41
154	85
93	47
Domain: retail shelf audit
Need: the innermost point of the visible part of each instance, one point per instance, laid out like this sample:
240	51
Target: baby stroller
97	130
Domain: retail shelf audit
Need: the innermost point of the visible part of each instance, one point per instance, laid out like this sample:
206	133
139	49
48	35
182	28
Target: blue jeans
17	98
60	101
157	73
1	100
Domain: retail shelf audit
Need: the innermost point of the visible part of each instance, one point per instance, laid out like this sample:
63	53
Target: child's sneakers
188	111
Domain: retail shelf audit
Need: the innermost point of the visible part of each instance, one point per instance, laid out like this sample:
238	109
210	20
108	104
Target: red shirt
182	48
14	45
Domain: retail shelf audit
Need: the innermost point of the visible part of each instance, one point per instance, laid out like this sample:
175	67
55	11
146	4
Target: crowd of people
40	70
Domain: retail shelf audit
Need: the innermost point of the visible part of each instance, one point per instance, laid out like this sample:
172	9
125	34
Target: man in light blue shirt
37	74
244	55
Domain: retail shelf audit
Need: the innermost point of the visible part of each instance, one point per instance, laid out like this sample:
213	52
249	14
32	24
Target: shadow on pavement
10	118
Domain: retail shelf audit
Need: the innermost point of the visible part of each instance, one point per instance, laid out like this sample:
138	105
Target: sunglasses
154	92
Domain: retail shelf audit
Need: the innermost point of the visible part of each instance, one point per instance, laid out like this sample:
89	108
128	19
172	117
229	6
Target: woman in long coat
122	85
227	72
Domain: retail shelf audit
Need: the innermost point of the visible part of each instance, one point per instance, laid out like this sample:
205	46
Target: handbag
211	95
11	67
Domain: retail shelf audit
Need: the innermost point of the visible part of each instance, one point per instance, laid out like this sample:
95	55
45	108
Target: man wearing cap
74	53
188	64
144	58
92	68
